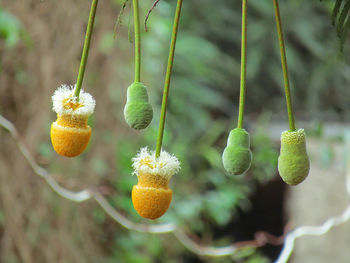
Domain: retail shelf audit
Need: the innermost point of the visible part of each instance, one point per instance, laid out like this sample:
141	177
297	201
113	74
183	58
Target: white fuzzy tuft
65	94
146	162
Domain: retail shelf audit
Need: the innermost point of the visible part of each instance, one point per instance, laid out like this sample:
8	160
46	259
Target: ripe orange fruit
151	196
70	133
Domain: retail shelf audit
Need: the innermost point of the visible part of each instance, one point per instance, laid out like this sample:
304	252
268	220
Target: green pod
138	111
293	162
237	156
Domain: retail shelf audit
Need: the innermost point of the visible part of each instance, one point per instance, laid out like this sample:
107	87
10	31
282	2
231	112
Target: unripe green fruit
138	112
293	162
237	156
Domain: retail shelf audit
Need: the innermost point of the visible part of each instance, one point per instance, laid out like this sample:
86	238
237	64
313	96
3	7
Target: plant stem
243	65
137	40
86	48
284	66
168	77
149	13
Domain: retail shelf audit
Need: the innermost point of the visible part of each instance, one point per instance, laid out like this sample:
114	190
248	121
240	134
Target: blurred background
40	47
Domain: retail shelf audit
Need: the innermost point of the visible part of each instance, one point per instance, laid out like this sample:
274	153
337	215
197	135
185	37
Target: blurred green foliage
10	28
202	110
341	20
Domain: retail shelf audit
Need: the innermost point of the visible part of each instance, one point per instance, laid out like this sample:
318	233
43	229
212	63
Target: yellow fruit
70	134
151	197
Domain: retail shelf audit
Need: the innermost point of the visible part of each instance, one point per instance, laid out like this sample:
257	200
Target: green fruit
293	162
138	112
237	156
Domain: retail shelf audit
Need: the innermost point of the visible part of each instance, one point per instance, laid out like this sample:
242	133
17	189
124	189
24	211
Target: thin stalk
168	77
86	48
284	66
137	41
243	65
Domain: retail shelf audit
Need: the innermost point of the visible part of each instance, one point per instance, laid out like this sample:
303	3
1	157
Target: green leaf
10	28
343	15
336	11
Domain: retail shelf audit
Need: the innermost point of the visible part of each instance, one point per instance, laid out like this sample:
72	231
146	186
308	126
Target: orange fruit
70	134
151	197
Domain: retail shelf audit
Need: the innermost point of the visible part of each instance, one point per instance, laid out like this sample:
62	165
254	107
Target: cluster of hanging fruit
151	197
293	162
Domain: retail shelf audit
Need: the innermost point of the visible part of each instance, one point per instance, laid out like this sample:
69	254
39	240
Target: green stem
168	77
137	41
243	65
284	66
86	48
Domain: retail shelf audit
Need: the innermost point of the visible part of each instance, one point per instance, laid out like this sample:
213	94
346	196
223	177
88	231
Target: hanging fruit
152	196
70	133
293	162
138	112
237	156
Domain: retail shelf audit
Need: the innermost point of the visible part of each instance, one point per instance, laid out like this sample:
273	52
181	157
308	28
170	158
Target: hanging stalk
243	65
168	78
284	66
137	41
86	48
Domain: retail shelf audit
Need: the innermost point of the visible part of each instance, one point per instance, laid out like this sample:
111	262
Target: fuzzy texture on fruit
237	156
293	162
138	111
151	196
70	133
165	166
65	102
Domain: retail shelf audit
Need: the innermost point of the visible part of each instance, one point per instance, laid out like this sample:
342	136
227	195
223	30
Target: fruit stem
284	66
86	48
243	65
137	40
168	77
